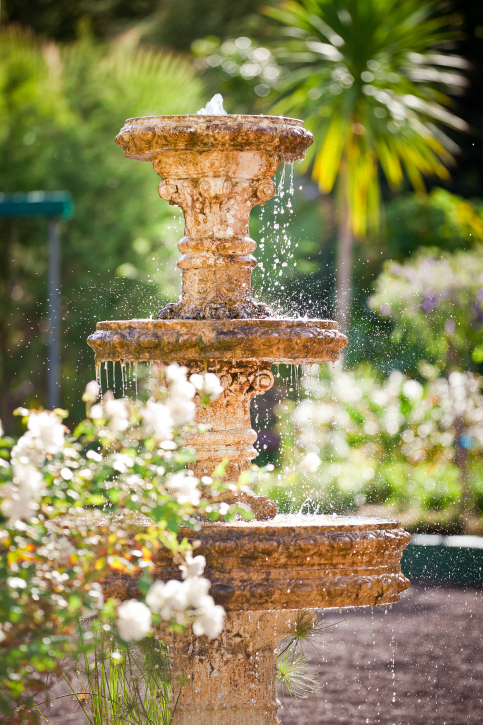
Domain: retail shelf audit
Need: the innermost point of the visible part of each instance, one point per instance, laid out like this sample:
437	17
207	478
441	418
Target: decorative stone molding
147	137
216	207
216	260
230	436
294	563
215	169
271	340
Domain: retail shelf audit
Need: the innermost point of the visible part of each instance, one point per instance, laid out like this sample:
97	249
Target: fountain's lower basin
293	562
264	340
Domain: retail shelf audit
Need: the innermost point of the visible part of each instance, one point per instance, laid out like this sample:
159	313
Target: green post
54	205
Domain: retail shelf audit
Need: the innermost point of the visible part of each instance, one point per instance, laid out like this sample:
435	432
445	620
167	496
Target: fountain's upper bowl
148	137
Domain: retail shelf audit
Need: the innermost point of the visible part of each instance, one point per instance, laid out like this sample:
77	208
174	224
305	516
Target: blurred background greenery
382	226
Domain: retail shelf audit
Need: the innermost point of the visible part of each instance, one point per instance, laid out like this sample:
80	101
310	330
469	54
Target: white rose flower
21	496
15	508
193	567
15	582
197	591
211	621
185	488
182	410
91	392
96	412
47	431
197	381
134	620
1	434
412	389
310	462
116	411
176	373
182	389
207	384
25	451
166	598
122	462
213	386
157	420
28	479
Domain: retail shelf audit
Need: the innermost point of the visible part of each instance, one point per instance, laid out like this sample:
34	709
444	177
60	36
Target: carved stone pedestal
230	436
216	169
230	680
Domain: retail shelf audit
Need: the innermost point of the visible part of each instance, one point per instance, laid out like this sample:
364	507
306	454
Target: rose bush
78	507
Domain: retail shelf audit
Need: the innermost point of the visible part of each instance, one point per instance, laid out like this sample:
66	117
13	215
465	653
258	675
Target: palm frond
373	82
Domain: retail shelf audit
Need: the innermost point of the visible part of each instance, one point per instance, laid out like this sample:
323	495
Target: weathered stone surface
231	680
295	562
148	137
230	436
273	340
215	169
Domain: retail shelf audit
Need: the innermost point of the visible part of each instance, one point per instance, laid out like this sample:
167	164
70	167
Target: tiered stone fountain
216	168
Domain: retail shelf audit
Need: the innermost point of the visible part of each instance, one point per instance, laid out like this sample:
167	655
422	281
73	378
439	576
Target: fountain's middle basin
266	340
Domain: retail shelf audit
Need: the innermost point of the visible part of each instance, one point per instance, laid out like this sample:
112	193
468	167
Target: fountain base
230	680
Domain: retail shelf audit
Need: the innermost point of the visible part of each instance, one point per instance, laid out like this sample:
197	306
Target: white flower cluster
159	418
175	600
185	487
355	423
44	436
115	411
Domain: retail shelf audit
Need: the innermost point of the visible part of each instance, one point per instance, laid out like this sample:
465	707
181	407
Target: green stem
76	697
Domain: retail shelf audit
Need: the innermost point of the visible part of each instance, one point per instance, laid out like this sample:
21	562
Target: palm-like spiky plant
371	79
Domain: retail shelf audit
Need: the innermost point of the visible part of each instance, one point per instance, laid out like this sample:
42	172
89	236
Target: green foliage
436	300
370	80
240	68
61	109
132	686
165	23
295	676
70	516
439	219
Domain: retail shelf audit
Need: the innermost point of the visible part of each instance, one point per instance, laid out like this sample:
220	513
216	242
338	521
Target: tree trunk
344	264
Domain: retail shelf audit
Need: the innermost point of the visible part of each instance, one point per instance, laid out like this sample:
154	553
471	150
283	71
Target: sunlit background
381	226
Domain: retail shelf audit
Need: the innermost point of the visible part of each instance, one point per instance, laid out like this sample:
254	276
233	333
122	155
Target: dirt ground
419	664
